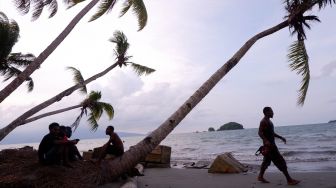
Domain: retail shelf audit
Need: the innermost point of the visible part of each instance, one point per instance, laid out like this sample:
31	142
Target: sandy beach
200	178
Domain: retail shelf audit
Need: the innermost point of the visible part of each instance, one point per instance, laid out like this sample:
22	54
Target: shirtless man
267	134
114	145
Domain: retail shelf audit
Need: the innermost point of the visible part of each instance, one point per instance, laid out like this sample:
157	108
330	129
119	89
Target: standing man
270	151
114	146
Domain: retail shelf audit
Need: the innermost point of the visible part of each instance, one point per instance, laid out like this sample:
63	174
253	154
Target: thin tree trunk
18	121
4	93
114	168
50	114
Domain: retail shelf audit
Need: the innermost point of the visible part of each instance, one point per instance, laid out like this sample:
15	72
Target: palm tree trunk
20	120
112	169
4	93
50	114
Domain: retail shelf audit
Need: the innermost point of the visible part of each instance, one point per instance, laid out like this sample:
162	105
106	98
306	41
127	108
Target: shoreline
200	178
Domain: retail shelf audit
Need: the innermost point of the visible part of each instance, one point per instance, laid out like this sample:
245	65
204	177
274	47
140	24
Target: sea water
308	148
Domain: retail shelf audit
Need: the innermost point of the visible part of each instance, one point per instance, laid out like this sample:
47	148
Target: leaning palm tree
297	8
122	59
105	6
91	103
10	63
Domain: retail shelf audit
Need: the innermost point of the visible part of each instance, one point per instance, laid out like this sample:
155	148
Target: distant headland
228	126
332	121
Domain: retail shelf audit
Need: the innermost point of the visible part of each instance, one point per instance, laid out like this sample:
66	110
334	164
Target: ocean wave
295	153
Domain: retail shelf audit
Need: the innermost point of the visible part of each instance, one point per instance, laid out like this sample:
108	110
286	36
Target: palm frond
141	70
78	79
125	7
94	96
96	110
324	3
20	59
75	124
72	3
299	62
108	108
30	84
104	7
53	7
93	122
37	9
139	9
11	71
9	34
22	5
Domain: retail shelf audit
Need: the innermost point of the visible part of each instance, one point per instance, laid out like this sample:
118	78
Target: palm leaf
139	9
22	5
141	70
11	71
93	122
94	96
78	79
108	108
20	59
324	3
9	34
104	7
299	62
53	7
37	9
30	84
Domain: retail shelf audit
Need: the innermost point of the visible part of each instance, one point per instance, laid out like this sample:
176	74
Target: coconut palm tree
122	59
105	6
10	63
91	103
113	168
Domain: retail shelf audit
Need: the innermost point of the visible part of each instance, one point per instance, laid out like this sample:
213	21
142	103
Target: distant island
332	121
227	126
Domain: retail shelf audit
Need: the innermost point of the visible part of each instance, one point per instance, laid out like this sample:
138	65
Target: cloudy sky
186	41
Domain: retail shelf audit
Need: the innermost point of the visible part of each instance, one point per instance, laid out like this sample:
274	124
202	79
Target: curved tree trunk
20	120
50	114
4	93
114	168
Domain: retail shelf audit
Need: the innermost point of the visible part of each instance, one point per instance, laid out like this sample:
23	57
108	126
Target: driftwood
226	163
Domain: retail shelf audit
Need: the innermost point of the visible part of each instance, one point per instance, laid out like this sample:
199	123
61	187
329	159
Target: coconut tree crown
10	63
298	23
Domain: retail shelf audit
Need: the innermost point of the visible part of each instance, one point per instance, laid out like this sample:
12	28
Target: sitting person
53	149
114	146
65	134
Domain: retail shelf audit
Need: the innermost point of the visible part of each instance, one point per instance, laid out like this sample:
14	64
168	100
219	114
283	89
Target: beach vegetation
122	60
11	64
37	6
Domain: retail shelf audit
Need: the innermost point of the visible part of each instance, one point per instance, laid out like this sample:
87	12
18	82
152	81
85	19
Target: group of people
57	148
